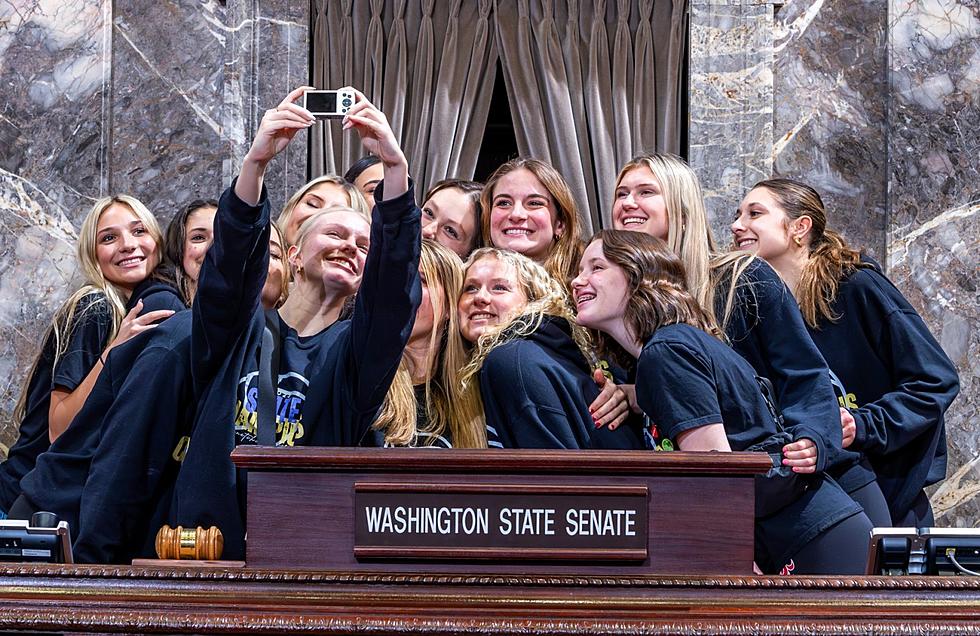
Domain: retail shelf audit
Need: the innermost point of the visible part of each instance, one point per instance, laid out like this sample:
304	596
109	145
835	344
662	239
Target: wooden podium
500	511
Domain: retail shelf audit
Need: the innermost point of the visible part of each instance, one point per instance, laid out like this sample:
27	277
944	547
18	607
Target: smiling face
449	218
367	182
125	250
523	215
333	252
491	296
640	204
600	291
197	239
761	225
319	197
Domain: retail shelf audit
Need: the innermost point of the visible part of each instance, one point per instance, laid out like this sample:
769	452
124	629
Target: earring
799	241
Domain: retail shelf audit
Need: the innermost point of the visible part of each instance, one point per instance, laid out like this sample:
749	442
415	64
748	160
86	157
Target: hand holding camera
379	140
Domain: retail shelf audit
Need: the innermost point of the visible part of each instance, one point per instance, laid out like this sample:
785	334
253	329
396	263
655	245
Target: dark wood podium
500	511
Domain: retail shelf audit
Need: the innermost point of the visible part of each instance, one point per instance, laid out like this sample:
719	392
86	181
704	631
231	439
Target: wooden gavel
196	543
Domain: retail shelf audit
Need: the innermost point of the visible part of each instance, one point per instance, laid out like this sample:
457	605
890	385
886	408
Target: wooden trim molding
509	461
235	601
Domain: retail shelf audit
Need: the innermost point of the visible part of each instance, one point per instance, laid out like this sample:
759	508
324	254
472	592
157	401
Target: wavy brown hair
831	259
657	291
566	250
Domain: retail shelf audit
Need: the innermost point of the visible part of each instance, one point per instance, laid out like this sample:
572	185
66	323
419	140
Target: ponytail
831	260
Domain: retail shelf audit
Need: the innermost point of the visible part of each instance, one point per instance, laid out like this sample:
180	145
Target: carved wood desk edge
179	600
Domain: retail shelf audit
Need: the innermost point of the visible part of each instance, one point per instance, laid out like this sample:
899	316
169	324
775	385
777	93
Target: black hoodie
536	394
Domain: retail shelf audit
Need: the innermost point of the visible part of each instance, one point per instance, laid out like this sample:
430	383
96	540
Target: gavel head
184	544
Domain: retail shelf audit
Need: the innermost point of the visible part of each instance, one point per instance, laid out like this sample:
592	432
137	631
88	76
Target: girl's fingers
619	420
153	316
295	94
295	109
800	453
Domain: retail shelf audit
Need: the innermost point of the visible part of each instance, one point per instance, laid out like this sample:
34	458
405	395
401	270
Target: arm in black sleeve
389	296
796	368
229	288
925	383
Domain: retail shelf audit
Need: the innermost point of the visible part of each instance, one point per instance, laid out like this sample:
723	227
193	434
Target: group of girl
481	319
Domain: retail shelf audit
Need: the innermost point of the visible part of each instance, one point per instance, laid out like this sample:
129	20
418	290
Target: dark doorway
499	143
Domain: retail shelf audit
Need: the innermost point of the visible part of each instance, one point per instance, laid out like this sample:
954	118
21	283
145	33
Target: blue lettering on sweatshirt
290	397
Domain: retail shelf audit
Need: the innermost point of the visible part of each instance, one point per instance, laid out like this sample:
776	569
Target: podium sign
503	511
500	521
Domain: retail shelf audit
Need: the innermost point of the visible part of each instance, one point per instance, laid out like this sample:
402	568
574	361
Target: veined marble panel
270	41
830	110
168	136
55	62
731	104
934	196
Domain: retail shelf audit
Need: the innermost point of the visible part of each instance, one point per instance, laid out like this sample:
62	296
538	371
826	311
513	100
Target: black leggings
873	501
919	515
841	549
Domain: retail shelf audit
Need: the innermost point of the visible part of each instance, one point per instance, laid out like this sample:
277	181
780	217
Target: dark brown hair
657	292
172	265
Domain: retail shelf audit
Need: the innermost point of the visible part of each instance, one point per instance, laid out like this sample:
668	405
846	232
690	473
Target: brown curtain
428	64
583	103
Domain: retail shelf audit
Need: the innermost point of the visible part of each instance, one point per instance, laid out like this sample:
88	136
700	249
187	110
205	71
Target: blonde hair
545	297
442	270
108	295
657	293
830	259
566	250
287	271
689	234
354	199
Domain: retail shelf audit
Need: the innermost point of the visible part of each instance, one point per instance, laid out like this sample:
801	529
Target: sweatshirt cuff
241	212
393	210
860	430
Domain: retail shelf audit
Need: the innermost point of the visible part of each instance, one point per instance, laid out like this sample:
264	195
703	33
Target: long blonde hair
442	271
830	259
354	198
107	296
689	234
545	297
566	250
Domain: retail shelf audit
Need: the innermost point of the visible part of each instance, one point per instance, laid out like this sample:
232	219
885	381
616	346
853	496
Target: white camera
328	104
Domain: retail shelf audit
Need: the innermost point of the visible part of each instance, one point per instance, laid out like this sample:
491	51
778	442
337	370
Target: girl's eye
621	194
108	238
452	233
469	288
500	287
536	203
428	213
139	231
276	255
503	203
363	248
313	203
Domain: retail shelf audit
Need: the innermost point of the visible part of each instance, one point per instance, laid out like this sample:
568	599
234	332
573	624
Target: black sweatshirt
348	367
536	394
897	380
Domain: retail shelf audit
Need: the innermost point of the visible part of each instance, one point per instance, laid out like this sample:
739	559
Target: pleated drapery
590	83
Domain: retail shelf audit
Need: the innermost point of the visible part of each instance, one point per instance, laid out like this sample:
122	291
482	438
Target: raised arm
229	287
391	291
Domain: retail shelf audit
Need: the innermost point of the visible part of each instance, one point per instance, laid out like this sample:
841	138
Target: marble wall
154	99
876	102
